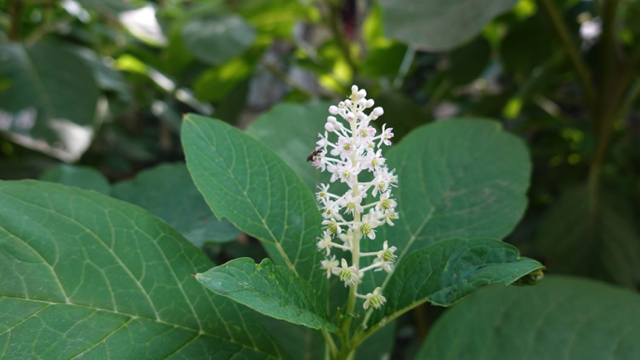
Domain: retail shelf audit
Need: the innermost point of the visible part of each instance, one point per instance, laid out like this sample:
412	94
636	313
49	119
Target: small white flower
332	226
325	243
374	160
344	147
374	299
386	203
347	238
386	258
367	225
330	209
351	203
323	194
385	136
329	265
349	274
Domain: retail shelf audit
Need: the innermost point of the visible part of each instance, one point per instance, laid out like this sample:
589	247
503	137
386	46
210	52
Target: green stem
609	101
343	44
284	77
409	55
333	349
438	94
634	92
15	13
562	32
347	351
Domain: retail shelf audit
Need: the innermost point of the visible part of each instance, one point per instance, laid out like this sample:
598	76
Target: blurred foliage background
103	84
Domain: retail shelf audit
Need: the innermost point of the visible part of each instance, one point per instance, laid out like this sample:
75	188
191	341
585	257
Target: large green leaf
300	342
82	177
216	38
305	343
111	6
52	100
245	182
291	131
561	318
275	291
439	24
469	61
168	192
463	178
444	272
86	274
603	244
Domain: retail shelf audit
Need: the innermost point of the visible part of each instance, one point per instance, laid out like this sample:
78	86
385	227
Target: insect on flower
313	154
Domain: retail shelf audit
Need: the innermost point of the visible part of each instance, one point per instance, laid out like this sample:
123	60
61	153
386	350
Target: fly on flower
348	147
313	155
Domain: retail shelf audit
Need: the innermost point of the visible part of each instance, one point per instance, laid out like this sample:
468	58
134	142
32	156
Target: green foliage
469	61
98	277
561	318
439	25
35	112
168	192
215	39
95	85
246	183
461	178
291	130
272	290
82	177
448	270
568	234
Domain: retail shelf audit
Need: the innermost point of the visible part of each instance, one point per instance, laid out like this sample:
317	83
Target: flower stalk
347	219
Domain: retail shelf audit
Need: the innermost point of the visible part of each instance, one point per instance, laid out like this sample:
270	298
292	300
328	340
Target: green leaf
97	277
445	272
401	113
562	318
111	6
469	61
35	113
522	57
300	342
379	346
604	244
217	82
462	178
107	78
168	192
291	131
216	38
274	291
439	25
82	177
245	182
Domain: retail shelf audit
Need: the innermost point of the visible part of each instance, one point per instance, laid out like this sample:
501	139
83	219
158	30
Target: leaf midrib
275	241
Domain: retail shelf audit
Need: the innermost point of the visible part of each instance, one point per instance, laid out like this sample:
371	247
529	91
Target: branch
15	13
562	32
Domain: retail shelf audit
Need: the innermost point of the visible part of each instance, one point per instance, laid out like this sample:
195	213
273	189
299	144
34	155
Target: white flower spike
349	146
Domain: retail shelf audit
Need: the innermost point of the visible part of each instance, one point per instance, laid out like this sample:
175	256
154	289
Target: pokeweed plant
245	182
86	275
